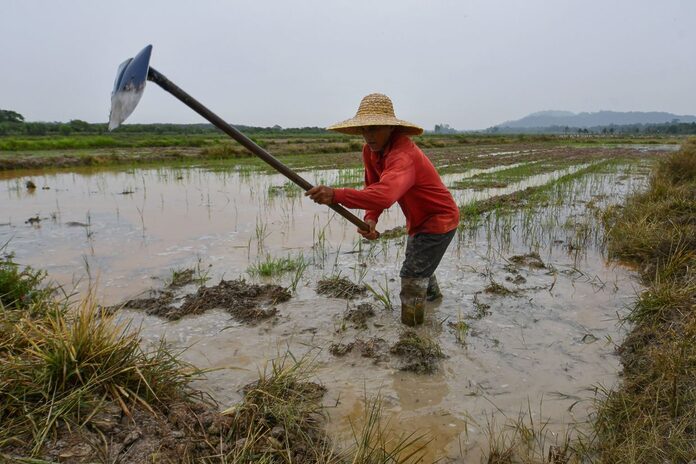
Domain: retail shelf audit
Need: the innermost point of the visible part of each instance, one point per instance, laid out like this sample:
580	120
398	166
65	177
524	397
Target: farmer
397	170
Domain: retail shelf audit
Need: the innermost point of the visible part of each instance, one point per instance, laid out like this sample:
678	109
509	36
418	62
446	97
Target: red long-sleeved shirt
404	174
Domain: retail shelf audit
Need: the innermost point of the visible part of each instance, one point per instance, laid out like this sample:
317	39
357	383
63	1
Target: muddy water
545	345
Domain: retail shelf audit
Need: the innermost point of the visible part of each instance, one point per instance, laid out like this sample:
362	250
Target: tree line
13	123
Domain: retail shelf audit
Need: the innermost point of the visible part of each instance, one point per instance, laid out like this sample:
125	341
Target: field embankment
651	418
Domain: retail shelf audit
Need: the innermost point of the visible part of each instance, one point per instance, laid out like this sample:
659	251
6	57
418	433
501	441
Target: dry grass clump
652	416
59	369
280	418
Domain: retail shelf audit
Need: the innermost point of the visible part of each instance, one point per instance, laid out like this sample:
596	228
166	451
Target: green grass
20	288
651	417
272	267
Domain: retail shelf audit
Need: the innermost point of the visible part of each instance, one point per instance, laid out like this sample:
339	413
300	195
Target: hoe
130	84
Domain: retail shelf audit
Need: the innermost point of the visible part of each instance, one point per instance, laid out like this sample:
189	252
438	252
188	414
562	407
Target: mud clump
359	316
245	302
418	354
154	303
497	289
341	349
373	348
182	278
34	220
517	280
531	260
340	287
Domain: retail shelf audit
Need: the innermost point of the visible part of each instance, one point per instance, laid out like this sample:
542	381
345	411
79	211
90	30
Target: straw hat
375	109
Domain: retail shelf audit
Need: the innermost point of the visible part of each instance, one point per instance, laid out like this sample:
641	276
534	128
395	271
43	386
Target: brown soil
517	280
374	348
418	354
359	316
498	289
340	287
246	302
531	260
184	432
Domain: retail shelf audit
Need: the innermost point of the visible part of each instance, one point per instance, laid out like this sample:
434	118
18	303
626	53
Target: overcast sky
470	64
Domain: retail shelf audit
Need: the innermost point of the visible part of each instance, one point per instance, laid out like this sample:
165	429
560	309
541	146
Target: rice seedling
382	294
461	329
272	267
261	233
319	239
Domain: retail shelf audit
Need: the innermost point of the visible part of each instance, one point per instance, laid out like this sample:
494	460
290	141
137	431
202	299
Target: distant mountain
600	118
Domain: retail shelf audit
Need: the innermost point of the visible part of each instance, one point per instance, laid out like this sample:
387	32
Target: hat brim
354	125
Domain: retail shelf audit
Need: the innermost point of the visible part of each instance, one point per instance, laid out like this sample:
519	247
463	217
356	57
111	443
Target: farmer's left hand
321	194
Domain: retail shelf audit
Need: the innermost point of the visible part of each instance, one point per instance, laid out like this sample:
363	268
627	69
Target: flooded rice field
528	322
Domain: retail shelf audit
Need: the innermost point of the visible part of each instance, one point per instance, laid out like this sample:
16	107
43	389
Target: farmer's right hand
372	234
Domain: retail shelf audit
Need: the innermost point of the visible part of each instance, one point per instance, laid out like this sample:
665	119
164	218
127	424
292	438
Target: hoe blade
129	86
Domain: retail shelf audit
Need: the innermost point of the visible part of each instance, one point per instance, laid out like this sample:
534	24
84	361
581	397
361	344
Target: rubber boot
412	295
433	293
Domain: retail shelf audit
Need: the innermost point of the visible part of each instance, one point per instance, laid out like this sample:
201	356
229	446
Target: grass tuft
59	369
271	267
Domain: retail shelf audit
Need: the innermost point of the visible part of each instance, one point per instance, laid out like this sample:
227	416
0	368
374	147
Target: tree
10	116
78	125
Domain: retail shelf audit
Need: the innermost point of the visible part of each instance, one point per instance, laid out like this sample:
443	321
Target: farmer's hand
321	194
372	234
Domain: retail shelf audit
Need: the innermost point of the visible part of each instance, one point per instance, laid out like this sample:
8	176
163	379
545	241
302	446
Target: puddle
549	341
